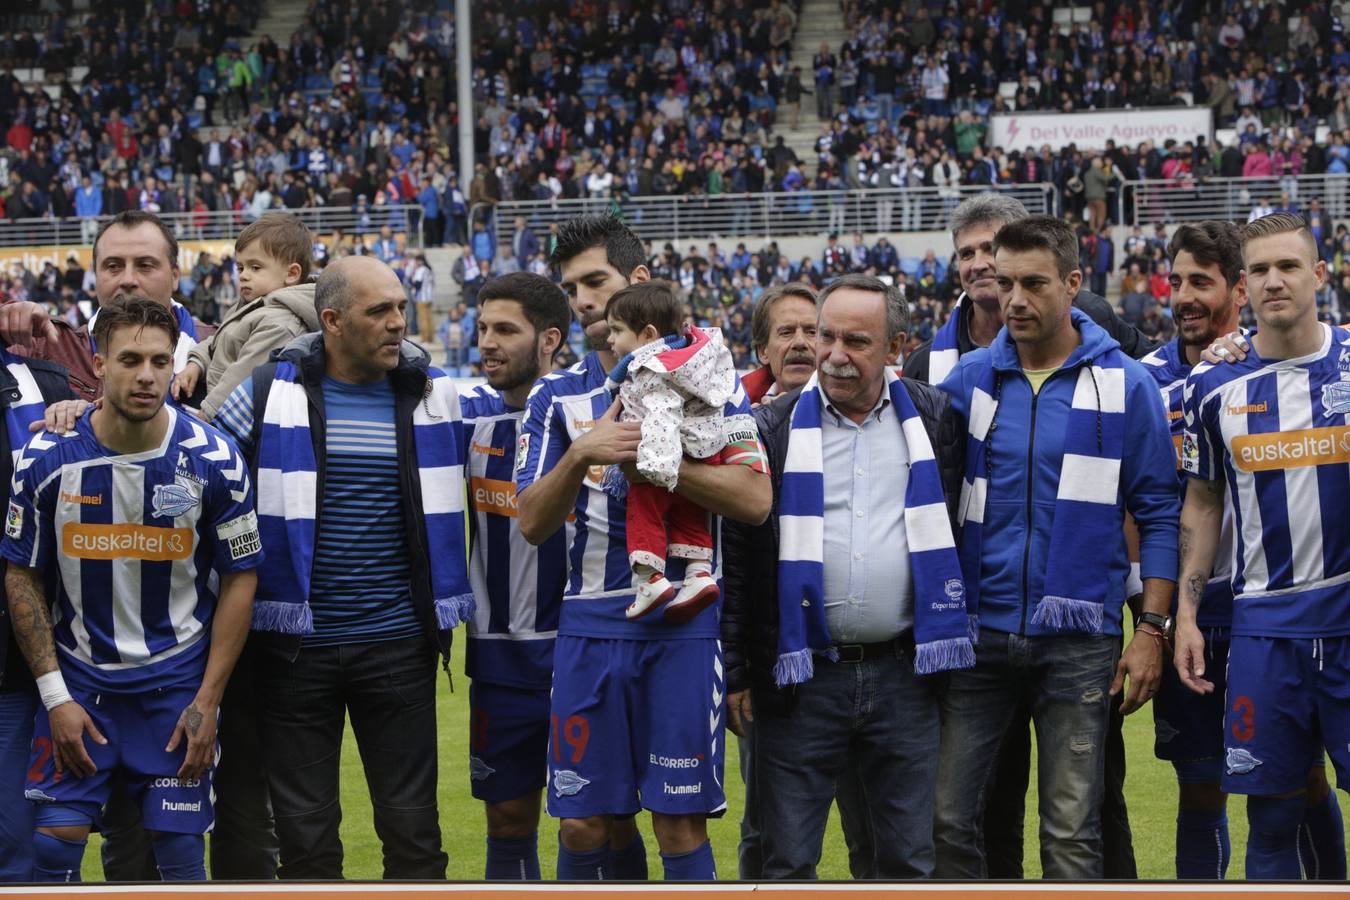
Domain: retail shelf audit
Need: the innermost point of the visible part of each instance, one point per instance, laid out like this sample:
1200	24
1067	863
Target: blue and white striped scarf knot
288	498
941	630
1086	527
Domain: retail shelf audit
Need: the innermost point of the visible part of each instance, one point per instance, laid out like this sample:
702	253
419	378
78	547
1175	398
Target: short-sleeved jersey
562	407
1169	368
1278	431
137	541
518	587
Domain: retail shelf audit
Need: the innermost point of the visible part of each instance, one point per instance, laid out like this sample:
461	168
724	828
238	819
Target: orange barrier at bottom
739	891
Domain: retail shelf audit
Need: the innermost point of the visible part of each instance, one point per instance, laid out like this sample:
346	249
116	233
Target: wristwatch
1164	624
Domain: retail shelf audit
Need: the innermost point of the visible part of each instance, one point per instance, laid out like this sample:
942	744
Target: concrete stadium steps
442	261
819	20
280	18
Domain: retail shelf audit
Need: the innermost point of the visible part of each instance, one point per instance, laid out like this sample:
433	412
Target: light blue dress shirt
868	588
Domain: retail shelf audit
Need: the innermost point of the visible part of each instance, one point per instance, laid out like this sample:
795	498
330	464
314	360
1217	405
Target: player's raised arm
32	626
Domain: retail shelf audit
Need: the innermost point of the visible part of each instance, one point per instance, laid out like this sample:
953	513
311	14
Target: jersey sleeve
1201	441
231	521
543	438
742	447
30	534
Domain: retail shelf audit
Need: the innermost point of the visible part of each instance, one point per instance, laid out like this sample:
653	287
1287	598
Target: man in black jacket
870	704
26	387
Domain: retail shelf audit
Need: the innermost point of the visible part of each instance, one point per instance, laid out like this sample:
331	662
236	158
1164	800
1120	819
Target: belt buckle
850	653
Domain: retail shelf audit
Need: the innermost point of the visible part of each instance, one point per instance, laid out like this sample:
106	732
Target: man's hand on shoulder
61	416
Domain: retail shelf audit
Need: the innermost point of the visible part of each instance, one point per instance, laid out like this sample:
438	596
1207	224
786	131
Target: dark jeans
850	798
1064	682
244	841
876	716
1005	810
389	690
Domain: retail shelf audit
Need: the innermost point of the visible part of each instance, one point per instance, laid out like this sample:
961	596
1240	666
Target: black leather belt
856	653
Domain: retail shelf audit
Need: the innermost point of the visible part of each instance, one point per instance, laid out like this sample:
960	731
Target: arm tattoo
1195	590
192	718
1185	543
32	620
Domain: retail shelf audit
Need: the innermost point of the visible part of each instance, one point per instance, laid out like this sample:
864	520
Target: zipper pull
445	664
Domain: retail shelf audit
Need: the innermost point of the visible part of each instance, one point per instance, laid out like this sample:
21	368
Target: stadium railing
773	215
223	225
1149	202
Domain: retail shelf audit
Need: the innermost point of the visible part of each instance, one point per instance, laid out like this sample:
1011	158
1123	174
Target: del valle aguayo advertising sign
1091	130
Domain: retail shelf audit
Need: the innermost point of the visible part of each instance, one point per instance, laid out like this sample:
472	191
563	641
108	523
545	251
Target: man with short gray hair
976	318
837	610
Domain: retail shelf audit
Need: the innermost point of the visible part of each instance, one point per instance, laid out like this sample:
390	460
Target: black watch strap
1162	623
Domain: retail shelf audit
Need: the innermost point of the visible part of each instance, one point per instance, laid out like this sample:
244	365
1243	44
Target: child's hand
185	382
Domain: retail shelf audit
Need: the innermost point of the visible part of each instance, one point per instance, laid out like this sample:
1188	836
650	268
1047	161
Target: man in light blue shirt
88	206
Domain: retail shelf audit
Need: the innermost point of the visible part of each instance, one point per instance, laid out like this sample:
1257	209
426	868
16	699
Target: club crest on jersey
567	783
173	500
1240	761
1336	398
479	770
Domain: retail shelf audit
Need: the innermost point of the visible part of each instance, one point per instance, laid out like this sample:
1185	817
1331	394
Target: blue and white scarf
28	408
945	351
941	629
288	496
1086	526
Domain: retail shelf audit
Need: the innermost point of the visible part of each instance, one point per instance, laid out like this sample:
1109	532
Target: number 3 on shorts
1244	718
576	731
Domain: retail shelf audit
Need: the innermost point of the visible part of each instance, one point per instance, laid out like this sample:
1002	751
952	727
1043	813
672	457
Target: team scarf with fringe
1086	528
288	496
941	629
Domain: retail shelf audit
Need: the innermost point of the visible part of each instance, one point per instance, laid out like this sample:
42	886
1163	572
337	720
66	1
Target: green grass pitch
1150	790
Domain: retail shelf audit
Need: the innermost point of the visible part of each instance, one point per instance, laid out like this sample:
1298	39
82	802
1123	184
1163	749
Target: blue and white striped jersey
563	406
1169	368
1279	432
137	540
518	587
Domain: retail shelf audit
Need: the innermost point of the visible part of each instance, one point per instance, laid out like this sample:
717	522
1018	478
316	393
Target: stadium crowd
357	107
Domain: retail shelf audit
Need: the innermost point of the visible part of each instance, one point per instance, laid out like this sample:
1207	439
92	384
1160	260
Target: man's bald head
343	278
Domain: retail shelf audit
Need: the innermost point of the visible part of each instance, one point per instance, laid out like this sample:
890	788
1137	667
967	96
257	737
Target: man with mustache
783	328
839	607
1272	429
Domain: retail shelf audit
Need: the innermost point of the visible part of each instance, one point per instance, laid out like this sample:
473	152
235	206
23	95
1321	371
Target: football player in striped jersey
1273	429
139	512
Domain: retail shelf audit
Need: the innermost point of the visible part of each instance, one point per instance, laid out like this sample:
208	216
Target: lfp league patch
14	520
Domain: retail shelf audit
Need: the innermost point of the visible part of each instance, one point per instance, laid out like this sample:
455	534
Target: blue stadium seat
910	265
587	71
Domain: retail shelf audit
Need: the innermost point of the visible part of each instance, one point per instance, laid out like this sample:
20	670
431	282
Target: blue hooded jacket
1027	448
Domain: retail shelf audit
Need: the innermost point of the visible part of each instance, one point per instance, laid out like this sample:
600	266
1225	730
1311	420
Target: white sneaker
698	593
650	594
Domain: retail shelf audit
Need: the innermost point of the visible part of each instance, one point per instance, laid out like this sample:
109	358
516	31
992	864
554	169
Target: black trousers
388	688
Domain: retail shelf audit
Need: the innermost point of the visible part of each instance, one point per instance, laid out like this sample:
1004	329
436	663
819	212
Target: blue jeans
17	709
1064	681
877	716
389	690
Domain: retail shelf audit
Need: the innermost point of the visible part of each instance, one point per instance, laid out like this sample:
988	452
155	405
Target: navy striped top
360	588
